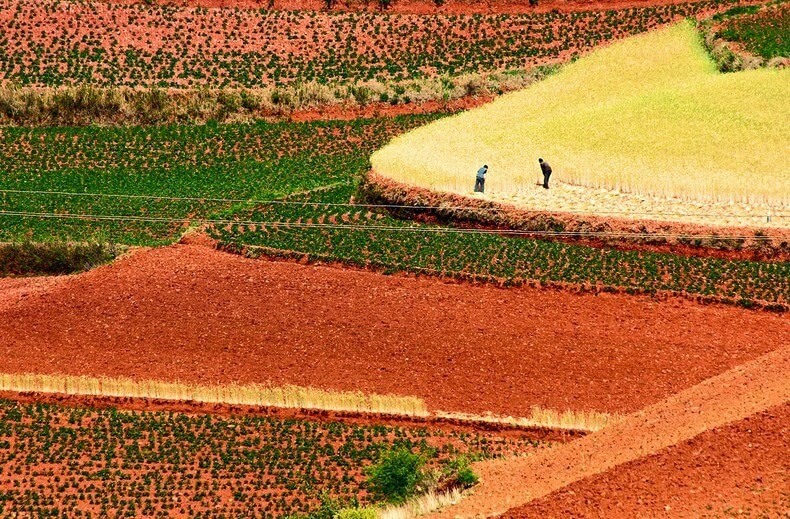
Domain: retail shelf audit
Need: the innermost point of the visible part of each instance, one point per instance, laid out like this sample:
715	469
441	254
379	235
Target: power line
365	206
358	227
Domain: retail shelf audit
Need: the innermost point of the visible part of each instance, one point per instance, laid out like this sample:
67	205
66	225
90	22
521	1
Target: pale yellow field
649	116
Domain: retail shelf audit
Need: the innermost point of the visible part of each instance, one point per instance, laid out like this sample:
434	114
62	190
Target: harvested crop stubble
538	417
288	397
648	115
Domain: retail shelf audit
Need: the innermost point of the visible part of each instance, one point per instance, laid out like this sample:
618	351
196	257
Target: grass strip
293	397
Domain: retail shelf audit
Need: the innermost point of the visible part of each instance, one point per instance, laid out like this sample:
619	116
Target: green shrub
397	476
459	473
357	513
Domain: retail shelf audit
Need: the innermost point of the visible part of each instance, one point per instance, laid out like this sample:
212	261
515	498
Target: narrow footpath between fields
741	392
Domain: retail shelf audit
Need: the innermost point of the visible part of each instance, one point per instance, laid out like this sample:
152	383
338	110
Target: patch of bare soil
349	113
15	290
191	313
748	389
740	469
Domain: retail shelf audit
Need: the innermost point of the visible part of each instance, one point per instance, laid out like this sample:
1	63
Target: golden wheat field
649	115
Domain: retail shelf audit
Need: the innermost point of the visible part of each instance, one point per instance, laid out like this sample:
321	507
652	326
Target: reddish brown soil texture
190	313
349	113
417	6
738	469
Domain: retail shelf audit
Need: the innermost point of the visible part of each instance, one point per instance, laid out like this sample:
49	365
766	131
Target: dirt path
738	469
194	314
741	392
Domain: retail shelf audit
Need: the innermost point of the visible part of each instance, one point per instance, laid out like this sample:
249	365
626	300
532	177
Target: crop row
408	246
79	462
60	42
260	161
762	31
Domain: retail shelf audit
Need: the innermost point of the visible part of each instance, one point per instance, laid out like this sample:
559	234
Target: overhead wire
363	205
364	227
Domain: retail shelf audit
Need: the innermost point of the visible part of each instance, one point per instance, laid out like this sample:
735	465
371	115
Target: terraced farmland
201	170
85	462
288	323
61	42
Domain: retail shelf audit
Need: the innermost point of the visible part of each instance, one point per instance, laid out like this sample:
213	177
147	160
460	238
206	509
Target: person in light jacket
480	181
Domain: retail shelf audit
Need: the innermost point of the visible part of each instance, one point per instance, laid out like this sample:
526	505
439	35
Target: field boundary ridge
752	243
271	253
337	403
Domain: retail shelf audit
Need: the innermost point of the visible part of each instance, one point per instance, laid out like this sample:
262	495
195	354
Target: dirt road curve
190	313
746	390
738	469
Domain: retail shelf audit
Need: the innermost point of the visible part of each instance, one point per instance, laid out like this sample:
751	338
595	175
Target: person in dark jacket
546	169
480	181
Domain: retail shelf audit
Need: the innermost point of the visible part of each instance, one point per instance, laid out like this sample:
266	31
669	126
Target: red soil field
597	466
190	313
738	468
50	43
416	6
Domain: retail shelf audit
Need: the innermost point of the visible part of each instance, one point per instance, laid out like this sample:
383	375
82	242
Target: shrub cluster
27	258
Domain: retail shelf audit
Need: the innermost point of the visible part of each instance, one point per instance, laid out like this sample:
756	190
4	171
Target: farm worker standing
546	169
480	182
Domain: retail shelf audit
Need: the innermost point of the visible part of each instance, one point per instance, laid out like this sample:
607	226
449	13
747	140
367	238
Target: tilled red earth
738	469
190	313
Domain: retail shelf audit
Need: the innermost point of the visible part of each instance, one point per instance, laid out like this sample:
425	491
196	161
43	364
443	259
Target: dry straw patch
421	505
589	421
650	115
292	397
252	394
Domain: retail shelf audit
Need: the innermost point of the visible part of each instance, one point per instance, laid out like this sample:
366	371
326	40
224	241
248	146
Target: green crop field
82	462
762	31
312	166
53	43
260	161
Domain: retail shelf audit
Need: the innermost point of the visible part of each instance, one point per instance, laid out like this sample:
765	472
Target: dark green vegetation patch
762	31
26	258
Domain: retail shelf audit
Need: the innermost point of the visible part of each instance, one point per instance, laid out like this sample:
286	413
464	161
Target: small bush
397	476
460	473
357	513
